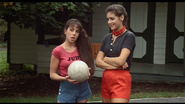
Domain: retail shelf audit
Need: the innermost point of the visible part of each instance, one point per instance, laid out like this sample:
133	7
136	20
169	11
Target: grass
157	95
34	99
140	95
97	97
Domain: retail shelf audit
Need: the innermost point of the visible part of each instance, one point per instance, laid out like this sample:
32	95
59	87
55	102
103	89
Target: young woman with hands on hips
115	56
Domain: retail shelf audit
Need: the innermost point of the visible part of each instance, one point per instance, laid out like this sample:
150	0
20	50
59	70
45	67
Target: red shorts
116	84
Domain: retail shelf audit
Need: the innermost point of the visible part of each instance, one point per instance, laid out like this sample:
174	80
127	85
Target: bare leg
119	100
106	100
83	101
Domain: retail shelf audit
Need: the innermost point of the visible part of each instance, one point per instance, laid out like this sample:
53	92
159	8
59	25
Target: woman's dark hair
118	10
83	44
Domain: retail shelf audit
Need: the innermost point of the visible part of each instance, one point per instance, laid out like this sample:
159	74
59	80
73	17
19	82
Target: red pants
116	84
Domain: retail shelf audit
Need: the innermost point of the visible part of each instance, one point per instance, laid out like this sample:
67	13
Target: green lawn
53	99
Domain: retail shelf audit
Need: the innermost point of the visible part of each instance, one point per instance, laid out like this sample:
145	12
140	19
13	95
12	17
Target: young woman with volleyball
115	56
76	46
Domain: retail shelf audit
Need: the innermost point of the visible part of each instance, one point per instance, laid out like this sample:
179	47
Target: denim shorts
70	93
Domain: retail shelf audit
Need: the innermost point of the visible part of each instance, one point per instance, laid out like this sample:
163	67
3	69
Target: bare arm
101	63
54	63
118	61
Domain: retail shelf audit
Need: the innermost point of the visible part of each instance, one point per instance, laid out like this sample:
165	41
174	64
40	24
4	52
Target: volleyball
78	70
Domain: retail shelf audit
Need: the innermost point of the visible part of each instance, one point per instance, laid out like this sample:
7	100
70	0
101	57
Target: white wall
24	49
44	55
23	46
43	58
99	23
160	32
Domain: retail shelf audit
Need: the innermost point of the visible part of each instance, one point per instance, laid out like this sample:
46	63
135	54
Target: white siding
24	49
43	58
23	46
99	26
44	55
160	32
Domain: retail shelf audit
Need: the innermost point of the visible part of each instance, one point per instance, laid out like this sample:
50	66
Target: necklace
117	33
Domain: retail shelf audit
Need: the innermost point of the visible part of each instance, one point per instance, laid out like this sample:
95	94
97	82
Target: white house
158	26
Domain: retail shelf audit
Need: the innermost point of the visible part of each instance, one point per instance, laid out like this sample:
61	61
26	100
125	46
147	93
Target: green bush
3	44
4	66
3	29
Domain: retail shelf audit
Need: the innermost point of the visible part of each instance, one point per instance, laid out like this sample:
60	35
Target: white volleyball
78	70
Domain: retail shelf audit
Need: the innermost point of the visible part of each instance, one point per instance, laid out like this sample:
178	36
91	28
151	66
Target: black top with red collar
126	40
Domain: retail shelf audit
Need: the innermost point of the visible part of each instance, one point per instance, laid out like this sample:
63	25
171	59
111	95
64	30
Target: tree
44	14
3	29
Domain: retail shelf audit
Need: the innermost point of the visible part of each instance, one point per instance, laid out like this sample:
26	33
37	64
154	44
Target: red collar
117	33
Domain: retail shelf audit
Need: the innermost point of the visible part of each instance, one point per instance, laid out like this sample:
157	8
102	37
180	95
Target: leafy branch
35	14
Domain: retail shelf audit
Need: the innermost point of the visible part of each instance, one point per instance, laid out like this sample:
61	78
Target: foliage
37	14
3	45
3	29
4	66
3	26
